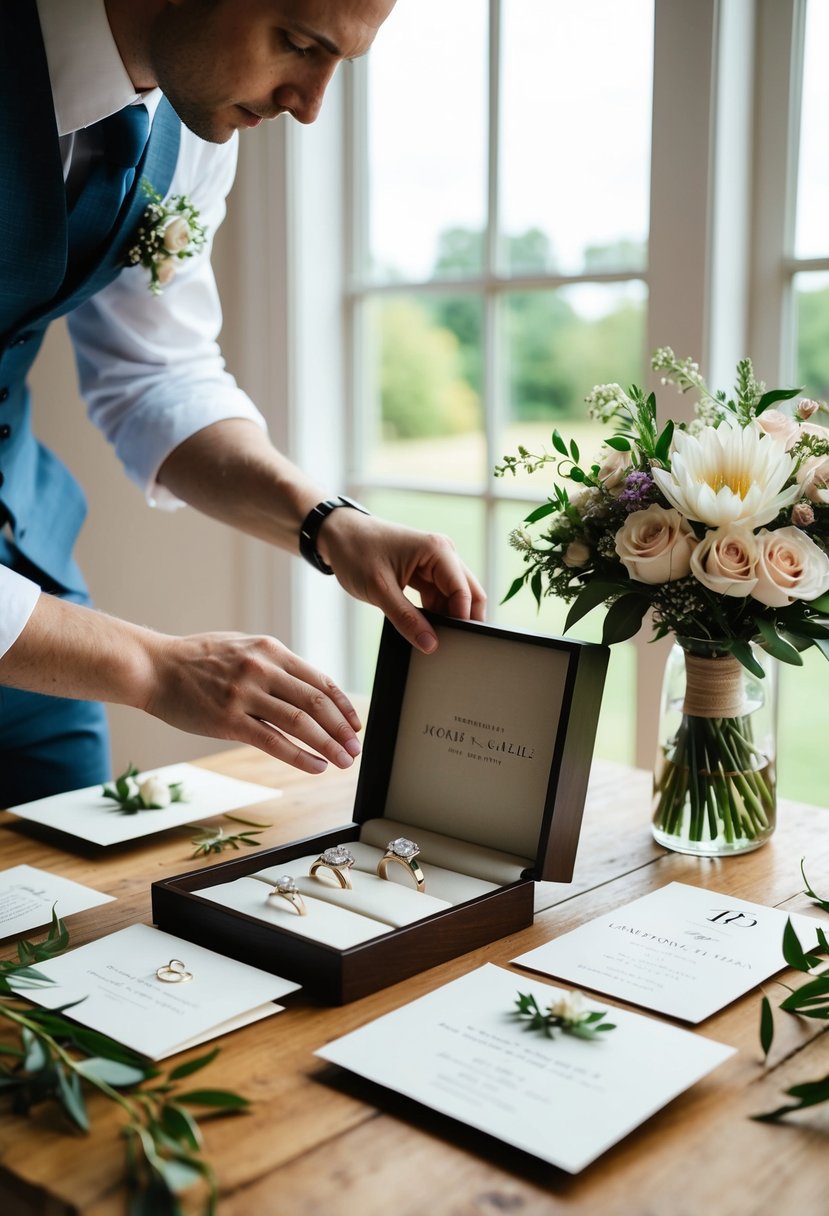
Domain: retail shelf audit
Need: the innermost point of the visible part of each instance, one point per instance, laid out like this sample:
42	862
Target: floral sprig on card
58	1061
169	231
151	794
810	1000
567	1014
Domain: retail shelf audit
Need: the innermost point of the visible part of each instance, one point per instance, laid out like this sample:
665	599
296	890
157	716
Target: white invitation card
563	1099
683	951
117	981
88	814
27	896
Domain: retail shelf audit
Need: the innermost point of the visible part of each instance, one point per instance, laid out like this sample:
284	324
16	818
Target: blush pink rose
813	478
790	566
725	561
655	545
780	426
176	235
576	554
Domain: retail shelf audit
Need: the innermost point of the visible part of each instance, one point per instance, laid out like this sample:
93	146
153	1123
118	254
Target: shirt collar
88	77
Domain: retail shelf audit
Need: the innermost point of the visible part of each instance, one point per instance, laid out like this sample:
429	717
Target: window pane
427	138
558	345
423	417
617	722
811	294
575	134
811	238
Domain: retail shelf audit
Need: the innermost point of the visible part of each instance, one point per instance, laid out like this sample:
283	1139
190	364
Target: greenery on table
56	1060
566	1014
152	794
810	1000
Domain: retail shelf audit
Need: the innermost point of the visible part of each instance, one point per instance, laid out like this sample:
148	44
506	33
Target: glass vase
714	786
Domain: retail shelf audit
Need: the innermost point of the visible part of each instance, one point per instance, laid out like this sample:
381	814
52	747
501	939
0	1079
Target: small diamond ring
403	853
339	860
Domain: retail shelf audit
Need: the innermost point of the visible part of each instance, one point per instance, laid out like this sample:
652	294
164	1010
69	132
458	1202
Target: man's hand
222	685
375	560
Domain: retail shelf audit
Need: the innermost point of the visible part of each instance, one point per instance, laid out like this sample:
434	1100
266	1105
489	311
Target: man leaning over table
154	381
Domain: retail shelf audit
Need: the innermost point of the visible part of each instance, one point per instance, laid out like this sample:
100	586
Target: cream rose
813	478
790	567
176	235
725	561
576	554
614	468
655	545
166	271
780	426
154	793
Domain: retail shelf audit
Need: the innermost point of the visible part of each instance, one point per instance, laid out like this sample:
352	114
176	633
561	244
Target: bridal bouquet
719	528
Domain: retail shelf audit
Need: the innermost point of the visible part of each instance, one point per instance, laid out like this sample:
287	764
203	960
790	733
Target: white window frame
716	273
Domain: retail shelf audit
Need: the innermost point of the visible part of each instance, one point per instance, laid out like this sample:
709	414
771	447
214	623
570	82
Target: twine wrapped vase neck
714	686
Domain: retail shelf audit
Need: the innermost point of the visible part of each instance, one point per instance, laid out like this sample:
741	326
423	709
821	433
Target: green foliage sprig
151	795
566	1015
213	840
810	1000
55	1060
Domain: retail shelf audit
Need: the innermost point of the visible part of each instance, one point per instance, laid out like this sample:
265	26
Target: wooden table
320	1143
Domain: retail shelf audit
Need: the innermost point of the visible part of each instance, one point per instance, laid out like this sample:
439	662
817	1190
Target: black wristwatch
312	524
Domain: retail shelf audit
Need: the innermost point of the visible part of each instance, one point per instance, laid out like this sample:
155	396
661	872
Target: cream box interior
480	754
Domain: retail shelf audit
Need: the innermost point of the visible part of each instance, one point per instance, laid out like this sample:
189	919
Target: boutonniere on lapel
169	231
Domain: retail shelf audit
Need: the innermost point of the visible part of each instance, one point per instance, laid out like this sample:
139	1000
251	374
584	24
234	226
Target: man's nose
305	101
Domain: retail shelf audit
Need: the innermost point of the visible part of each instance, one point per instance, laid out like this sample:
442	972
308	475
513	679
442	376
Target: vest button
2	479
20	340
5	431
4	394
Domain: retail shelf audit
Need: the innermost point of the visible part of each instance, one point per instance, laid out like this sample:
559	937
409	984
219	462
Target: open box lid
488	740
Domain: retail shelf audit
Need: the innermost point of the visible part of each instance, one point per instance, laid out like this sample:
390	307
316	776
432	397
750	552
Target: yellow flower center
737	481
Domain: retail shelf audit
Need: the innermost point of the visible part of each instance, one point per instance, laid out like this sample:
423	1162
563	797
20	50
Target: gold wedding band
285	887
403	853
338	860
174	972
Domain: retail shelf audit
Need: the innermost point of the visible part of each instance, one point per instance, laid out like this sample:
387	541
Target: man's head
226	64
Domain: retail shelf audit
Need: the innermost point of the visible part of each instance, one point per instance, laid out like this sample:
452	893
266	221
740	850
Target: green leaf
546	508
663	443
774	395
777	647
618	442
574	451
111	1072
516	586
823	903
821	604
742	651
594	593
71	1098
558	443
223	1099
624	618
37	1057
535	586
793	952
766	1025
180	1124
191	1066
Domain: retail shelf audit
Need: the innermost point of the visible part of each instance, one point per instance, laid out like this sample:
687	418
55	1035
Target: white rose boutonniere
169	231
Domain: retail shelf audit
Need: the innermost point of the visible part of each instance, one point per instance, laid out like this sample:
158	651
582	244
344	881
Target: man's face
226	64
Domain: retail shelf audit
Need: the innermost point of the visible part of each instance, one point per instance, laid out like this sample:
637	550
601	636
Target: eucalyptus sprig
151	794
567	1014
810	1000
213	840
55	1060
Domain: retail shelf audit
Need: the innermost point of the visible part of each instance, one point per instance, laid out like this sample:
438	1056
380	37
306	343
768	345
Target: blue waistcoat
43	503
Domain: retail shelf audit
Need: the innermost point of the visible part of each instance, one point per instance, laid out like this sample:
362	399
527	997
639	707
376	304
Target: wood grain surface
318	1142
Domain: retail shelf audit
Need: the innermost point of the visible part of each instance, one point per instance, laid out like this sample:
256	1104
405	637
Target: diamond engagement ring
403	853
285	887
338	860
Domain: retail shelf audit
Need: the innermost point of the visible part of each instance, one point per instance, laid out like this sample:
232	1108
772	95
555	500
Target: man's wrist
309	529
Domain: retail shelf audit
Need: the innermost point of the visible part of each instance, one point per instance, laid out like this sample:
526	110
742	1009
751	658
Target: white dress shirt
150	369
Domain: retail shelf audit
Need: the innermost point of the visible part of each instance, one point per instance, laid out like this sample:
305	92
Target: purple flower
638	491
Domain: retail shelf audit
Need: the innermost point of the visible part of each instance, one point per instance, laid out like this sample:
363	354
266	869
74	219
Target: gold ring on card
403	853
339	860
285	886
173	972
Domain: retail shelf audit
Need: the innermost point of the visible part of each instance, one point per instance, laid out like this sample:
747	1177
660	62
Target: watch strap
313	522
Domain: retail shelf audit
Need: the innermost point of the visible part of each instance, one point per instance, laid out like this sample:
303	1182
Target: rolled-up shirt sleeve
18	597
150	368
